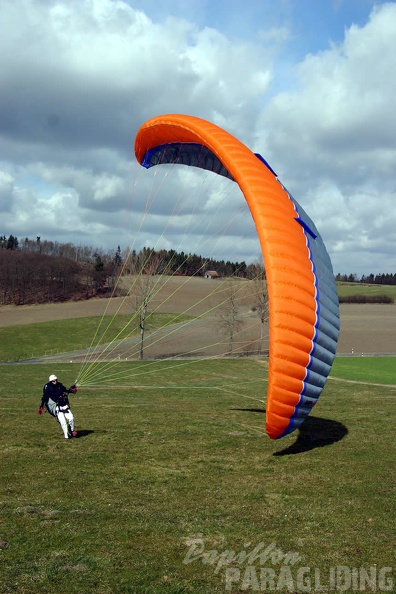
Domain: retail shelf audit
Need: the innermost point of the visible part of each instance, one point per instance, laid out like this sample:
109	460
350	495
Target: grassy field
18	343
381	370
163	480
348	289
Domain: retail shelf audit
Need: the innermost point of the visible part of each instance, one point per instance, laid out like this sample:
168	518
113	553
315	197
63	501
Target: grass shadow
85	432
314	432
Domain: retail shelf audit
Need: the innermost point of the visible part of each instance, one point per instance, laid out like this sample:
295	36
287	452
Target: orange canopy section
303	305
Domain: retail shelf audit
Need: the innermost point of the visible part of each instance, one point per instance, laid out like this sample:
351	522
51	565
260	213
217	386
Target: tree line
37	278
132	261
42	271
36	271
370	279
159	261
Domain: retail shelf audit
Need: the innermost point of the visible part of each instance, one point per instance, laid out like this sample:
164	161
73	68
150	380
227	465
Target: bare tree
147	286
143	296
230	320
260	302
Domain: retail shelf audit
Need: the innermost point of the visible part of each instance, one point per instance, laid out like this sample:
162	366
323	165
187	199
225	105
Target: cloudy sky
309	85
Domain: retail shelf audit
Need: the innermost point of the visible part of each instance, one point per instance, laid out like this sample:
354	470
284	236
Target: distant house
211	274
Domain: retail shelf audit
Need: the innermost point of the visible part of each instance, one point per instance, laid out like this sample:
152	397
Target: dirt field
367	329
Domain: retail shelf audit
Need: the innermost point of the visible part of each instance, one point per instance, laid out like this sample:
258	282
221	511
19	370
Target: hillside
368	328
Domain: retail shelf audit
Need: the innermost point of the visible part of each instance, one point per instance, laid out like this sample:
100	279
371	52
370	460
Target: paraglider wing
303	303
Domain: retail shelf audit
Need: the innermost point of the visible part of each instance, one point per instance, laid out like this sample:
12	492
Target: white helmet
52	378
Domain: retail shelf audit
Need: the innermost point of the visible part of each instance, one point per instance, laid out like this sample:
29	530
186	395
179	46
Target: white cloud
332	140
80	77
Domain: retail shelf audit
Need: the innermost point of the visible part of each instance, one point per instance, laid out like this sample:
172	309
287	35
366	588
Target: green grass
111	512
28	341
348	289
381	370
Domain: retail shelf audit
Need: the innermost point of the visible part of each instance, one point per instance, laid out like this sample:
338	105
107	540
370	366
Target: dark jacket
57	392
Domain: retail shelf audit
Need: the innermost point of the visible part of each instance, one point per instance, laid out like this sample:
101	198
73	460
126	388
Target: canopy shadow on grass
314	432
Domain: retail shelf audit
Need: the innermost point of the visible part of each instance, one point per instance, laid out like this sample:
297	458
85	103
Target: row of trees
130	261
371	279
50	248
163	261
35	278
157	261
33	271
36	271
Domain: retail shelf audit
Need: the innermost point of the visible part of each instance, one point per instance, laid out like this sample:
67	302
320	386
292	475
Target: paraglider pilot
55	400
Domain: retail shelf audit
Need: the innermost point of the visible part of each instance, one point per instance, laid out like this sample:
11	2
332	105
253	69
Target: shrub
366	299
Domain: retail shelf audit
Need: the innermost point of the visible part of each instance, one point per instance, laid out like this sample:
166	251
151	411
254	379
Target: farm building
211	274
